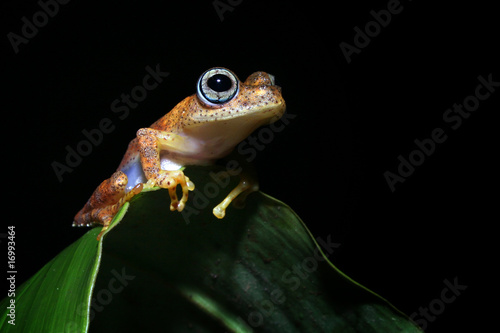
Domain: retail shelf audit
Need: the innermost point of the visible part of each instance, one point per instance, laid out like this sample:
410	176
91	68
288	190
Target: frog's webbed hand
248	184
151	142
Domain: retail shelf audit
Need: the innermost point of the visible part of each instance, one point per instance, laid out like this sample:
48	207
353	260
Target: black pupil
219	83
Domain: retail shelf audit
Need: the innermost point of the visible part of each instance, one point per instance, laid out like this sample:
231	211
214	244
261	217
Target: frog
199	130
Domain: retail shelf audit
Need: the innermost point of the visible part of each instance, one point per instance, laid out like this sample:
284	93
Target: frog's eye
217	86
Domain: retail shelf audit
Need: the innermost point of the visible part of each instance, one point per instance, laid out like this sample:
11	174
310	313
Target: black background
352	122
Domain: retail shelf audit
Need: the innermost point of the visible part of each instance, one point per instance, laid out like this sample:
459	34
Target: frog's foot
170	180
105	202
106	214
238	195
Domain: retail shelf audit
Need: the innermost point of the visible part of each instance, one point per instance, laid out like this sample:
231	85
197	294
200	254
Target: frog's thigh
106	200
109	191
106	194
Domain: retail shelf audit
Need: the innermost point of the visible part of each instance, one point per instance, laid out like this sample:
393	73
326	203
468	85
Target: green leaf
257	270
57	298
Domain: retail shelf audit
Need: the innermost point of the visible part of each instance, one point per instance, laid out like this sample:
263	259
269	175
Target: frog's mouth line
262	115
231	126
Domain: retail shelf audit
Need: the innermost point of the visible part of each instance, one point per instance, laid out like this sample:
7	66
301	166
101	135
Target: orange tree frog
200	129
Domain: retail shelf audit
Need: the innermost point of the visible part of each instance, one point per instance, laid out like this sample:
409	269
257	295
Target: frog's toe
170	182
186	185
82	223
219	211
177	204
174	202
189	184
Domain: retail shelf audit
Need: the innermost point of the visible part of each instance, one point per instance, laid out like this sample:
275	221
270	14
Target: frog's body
199	130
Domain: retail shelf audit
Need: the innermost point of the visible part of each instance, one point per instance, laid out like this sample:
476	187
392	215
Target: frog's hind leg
105	202
248	184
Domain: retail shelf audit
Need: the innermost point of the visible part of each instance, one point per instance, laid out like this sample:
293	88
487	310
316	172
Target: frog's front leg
151	143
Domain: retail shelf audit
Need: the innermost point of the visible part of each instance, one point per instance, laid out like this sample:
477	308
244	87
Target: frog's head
225	110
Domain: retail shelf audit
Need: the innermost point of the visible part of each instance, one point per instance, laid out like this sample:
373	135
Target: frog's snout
261	78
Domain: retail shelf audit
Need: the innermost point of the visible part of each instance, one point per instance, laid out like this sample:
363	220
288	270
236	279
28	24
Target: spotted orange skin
193	132
255	93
